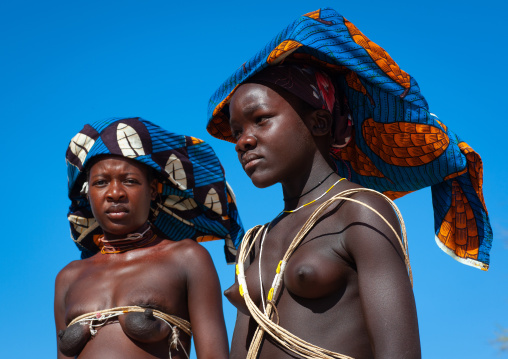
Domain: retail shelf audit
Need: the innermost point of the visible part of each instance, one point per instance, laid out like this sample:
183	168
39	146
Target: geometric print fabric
398	145
194	199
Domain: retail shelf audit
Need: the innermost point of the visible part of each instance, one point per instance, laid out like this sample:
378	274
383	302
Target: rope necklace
310	190
270	294
132	241
95	320
264	320
306	204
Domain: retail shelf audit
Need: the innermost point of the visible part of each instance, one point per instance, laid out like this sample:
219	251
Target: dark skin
177	278
346	287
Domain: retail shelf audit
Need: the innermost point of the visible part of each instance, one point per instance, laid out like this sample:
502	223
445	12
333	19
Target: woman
141	198
328	277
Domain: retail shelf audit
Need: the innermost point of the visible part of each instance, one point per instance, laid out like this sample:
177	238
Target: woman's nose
115	191
245	143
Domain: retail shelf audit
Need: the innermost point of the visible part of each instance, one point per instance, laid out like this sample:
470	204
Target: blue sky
67	63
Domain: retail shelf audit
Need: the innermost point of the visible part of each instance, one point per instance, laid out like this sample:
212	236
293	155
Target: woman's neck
308	187
111	237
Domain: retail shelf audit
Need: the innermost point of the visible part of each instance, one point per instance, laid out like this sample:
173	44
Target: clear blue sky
67	63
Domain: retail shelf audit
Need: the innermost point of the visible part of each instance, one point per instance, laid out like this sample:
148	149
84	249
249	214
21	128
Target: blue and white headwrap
194	199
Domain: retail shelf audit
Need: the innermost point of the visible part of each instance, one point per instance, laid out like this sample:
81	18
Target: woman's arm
62	283
205	304
240	343
385	290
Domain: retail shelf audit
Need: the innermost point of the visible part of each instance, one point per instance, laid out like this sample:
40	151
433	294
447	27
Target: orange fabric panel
404	144
393	195
354	82
314	14
207	238
458	230
475	168
282	49
380	56
359	161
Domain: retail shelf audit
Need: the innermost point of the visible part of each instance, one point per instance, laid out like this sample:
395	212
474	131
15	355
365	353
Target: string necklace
310	190
269	324
306	204
270	295
132	241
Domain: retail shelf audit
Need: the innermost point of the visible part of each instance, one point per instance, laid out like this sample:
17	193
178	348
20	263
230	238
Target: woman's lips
116	215
250	160
251	164
117	212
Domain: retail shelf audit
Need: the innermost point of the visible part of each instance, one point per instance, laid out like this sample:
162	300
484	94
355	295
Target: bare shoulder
188	248
70	272
65	278
369	219
189	254
367	206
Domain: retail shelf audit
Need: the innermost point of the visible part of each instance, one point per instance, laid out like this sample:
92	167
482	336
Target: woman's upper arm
62	283
205	305
385	290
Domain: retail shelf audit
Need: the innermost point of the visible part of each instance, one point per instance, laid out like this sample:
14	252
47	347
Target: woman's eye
131	181
261	119
99	183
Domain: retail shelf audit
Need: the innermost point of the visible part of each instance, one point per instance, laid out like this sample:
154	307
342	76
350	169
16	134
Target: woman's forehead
112	162
250	91
252	96
265	92
248	98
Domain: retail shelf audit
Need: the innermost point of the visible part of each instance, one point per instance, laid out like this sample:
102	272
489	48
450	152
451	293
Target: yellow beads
270	294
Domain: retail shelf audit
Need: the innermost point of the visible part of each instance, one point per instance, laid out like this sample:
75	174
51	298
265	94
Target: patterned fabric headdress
397	145
194	201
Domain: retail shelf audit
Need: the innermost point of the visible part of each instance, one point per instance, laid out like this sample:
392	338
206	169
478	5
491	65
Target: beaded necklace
132	241
306	204
310	190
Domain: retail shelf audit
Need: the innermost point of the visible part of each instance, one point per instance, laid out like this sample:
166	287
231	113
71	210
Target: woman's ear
320	122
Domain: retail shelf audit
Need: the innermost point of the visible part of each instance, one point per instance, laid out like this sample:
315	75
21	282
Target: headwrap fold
194	199
397	146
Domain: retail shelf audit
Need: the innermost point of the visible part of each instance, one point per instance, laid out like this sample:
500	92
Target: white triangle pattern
129	141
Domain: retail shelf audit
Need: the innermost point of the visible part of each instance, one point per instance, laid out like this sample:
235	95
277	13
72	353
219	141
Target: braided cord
109	313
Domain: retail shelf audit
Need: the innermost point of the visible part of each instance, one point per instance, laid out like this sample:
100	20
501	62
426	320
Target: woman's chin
260	182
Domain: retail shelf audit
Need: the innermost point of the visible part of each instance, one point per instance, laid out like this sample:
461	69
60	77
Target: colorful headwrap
194	199
397	146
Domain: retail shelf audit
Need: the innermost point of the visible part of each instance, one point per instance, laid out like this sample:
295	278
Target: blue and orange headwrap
194	199
397	146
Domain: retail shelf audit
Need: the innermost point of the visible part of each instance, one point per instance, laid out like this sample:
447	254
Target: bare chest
317	269
148	282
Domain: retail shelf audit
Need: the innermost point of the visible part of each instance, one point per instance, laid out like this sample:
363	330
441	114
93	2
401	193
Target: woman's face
272	139
120	195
